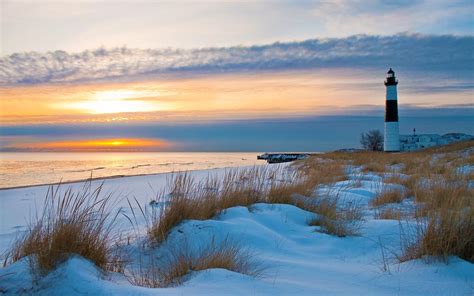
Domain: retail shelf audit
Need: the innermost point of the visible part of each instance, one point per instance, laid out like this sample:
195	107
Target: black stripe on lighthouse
391	111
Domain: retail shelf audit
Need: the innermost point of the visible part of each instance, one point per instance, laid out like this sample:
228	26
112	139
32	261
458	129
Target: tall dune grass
72	223
387	196
443	220
172	268
185	199
81	222
389	214
440	234
337	216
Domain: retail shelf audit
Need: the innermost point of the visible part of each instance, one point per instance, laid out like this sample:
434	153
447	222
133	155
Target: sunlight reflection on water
21	169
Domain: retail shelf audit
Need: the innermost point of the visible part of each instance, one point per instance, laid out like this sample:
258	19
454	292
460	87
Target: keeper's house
416	142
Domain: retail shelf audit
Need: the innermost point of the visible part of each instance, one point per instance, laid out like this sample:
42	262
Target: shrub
372	140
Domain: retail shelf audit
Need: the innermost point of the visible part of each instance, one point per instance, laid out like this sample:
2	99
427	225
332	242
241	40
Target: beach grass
73	222
443	196
441	225
184	199
172	268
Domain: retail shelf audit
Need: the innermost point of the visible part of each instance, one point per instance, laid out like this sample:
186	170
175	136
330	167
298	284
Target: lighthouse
391	134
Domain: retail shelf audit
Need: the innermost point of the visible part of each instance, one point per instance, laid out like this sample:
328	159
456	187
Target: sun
116	143
119	101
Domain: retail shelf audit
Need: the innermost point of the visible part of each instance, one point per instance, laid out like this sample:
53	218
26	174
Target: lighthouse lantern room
391	130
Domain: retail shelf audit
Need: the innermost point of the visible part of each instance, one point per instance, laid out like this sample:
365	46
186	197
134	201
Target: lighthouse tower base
392	138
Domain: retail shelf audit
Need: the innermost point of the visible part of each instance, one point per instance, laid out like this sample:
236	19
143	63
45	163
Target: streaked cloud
432	55
243	95
78	25
346	17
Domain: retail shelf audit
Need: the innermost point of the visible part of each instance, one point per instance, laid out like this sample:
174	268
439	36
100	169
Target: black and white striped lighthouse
391	136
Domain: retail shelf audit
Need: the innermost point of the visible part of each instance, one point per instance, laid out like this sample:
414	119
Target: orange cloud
211	97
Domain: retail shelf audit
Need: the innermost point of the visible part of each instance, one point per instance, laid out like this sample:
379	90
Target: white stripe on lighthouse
392	139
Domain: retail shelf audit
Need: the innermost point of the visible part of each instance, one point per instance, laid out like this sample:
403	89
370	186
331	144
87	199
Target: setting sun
126	144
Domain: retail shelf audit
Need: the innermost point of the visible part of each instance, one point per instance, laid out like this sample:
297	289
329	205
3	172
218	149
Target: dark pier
282	157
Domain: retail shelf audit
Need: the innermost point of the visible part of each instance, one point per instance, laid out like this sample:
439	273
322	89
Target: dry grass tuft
188	200
227	255
319	170
445	220
387	196
283	191
74	223
181	204
449	191
389	214
454	147
445	217
443	196
441	234
336	216
377	167
396	179
173	269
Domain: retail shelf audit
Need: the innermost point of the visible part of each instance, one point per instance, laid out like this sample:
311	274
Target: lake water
23	169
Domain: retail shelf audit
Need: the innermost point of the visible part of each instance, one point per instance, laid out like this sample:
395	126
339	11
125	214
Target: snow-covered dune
298	260
18	205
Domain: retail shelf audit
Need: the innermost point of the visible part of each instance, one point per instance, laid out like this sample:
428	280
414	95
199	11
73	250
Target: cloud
348	17
446	54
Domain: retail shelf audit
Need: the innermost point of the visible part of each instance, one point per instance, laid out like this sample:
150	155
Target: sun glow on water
122	144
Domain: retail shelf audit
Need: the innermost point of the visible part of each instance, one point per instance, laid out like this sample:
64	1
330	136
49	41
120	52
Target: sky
229	75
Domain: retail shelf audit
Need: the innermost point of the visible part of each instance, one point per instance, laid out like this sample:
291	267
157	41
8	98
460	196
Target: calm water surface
22	169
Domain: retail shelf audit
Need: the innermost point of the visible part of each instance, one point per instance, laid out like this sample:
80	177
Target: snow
298	260
18	205
465	169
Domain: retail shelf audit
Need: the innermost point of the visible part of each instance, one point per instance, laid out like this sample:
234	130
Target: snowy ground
298	259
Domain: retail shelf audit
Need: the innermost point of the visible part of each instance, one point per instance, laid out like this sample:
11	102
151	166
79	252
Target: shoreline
118	177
